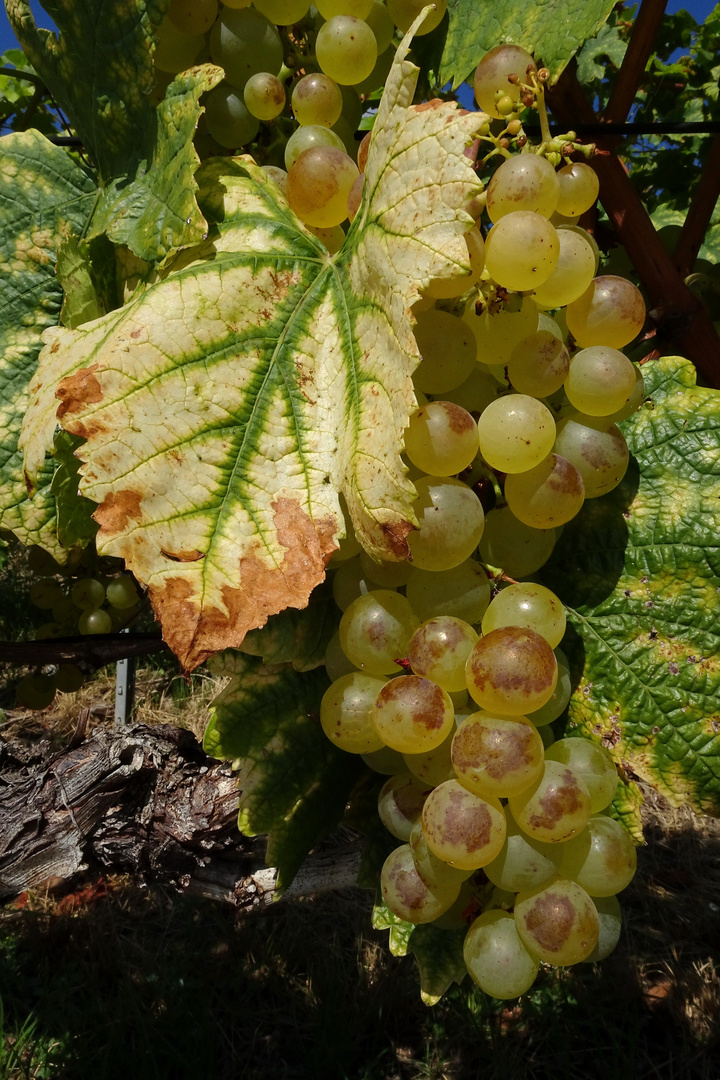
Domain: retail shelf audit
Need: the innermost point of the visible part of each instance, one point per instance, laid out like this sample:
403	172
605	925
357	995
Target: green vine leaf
296	637
293	782
45	197
439	957
639	571
75	525
227	405
553	30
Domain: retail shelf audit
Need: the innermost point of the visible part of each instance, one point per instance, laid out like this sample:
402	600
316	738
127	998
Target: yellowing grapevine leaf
227	405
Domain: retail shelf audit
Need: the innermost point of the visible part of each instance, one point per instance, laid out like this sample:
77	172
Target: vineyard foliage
232	394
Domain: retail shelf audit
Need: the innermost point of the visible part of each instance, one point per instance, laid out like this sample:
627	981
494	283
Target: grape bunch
294	76
446	670
87	595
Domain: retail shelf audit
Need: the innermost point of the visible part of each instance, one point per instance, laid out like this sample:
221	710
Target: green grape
391	575
491	76
432	767
404	13
558	923
447	352
264	96
516	432
46	594
413	714
433	871
584	235
386	761
497	332
574	270
283	12
48	630
380	22
497	755
602	858
236	4
549	495
633	404
530	605
610	919
400	803
346	49
511	671
193	16
450	523
560	697
228	119
375	631
476	393
95	622
463	591
350	581
610	312
175	51
539	364
439	648
335	660
447	288
496	958
600	381
353	108
406	894
522	863
578	189
346	712
441	438
514	547
121	592
525	182
88	594
359	9
522	250
591	762
554	808
333	239
309	137
243	43
318	184
463	829
68	678
599	453
35	691
316	99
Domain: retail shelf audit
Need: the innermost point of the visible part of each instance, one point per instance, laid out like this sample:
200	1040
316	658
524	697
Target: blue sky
700	9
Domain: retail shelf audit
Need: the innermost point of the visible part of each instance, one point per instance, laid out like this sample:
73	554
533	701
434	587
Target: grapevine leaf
293	781
400	930
640	573
45	197
86	272
626	808
439	956
99	70
296	637
553	30
157	211
75	525
229	402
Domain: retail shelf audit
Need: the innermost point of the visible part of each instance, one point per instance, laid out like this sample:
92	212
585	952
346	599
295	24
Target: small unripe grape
121	592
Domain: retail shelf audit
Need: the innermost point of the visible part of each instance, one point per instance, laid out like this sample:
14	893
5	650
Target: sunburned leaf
293	781
226	406
553	30
640	572
45	197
